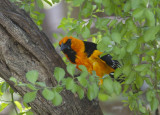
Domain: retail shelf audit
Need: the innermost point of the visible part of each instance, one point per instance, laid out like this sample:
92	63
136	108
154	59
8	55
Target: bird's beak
63	46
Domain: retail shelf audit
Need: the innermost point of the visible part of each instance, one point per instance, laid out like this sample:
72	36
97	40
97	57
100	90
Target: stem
14	103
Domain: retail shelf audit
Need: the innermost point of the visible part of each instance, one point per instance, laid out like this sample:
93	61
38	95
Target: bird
86	53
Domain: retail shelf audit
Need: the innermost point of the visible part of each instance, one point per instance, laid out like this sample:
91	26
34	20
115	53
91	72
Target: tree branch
23	47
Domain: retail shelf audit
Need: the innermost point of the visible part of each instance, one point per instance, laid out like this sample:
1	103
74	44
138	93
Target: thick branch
24	47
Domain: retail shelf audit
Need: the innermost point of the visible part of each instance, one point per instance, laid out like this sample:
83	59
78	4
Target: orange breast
94	63
81	59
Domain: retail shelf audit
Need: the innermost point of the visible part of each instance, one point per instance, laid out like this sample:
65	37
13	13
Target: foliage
7	100
129	30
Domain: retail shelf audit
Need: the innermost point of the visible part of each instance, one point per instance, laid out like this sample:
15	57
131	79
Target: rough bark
24	47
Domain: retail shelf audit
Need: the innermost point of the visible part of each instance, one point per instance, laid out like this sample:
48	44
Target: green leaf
90	23
154	104
74	88
71	69
13	79
116	37
11	90
48	94
22	84
32	87
138	13
83	81
48	2
149	35
59	89
29	97
84	74
132	103
112	23
127	6
148	81
98	1
87	9
139	81
131	45
130	78
40	3
80	92
4	86
29	113
92	91
77	2
122	53
69	83
83	68
102	96
126	69
104	43
142	108
135	59
57	100
116	50
135	3
131	26
25	105
101	23
42	84
32	76
140	67
117	73
41	16
19	106
55	1
150	17
85	32
150	95
3	105
108	86
59	73
117	87
92	78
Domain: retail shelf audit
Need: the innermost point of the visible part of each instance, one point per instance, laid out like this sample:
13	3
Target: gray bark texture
23	47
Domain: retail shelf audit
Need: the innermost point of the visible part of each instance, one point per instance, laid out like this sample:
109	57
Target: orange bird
85	53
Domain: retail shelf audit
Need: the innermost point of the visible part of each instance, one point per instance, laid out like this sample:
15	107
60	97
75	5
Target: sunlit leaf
71	69
32	76
116	37
108	86
57	100
40	3
149	35
59	73
85	32
29	97
117	87
69	83
154	104
48	94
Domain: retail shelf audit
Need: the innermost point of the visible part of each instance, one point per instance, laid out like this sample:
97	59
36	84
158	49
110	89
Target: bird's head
70	44
65	44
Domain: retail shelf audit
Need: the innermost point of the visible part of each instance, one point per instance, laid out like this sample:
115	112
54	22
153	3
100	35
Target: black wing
113	63
89	48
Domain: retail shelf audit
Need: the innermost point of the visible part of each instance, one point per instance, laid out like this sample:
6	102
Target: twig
14	103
